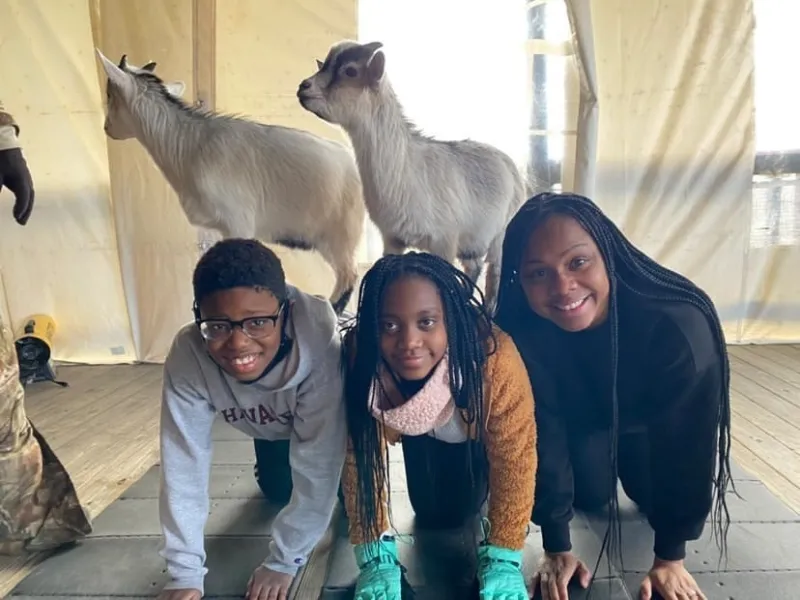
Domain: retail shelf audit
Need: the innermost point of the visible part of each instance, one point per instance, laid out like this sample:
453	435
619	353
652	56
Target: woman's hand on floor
670	579
191	594
554	573
266	584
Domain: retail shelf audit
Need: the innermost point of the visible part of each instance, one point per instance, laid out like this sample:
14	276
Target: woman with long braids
426	368
630	370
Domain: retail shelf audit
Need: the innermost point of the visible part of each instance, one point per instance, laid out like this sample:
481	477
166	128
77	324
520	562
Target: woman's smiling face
563	275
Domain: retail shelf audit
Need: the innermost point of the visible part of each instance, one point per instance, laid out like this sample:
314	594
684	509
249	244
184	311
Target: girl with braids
629	365
425	368
265	358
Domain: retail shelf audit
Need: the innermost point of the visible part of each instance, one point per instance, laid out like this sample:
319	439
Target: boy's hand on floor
180	595
266	584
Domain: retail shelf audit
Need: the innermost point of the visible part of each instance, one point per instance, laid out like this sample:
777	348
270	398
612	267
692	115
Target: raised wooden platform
103	427
765	395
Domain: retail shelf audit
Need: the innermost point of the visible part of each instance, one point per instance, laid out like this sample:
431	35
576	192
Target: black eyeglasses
256	328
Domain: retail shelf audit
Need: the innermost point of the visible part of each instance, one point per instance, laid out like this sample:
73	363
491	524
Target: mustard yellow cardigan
510	439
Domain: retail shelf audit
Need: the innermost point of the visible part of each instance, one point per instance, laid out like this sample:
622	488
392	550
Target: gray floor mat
763	552
120	559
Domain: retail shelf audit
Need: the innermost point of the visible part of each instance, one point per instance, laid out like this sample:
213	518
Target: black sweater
669	378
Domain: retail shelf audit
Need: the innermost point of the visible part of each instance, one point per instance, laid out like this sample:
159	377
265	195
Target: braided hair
469	340
641	275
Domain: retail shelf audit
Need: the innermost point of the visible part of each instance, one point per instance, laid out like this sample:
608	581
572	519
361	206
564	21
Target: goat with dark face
242	178
450	198
338	88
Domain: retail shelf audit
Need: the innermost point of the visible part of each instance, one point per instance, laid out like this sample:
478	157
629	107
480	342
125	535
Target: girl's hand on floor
180	595
266	584
554	573
670	579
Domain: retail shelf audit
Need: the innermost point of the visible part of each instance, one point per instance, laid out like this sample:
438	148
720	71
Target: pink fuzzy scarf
428	409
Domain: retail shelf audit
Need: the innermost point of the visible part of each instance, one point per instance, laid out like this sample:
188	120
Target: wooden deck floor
104	427
765	397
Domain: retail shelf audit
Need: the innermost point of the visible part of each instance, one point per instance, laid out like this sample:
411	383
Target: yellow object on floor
34	341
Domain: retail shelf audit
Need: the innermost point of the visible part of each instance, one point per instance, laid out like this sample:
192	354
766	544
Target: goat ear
151	66
114	73
376	67
371	48
175	88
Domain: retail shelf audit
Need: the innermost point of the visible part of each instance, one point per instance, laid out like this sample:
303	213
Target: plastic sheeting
668	88
65	262
108	252
264	49
676	152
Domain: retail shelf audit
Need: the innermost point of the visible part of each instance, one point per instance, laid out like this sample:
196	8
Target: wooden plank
103	453
136	396
769	382
777	427
782	410
204	14
50	414
74	376
775	481
762	444
790	350
311	579
772	362
763	397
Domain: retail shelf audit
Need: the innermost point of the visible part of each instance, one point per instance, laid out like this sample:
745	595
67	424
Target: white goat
243	178
450	198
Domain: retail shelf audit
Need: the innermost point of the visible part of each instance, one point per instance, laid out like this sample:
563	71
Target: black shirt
669	378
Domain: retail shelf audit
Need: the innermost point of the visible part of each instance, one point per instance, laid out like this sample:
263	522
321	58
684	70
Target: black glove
14	174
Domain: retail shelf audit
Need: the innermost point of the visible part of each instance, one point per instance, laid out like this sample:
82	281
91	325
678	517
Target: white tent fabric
677	85
659	103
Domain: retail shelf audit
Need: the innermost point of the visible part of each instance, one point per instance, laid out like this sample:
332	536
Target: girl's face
242	356
564	276
413	337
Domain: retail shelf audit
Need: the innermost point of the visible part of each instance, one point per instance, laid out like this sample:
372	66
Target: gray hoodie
301	400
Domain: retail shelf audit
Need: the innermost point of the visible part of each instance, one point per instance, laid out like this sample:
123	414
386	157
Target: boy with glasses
265	357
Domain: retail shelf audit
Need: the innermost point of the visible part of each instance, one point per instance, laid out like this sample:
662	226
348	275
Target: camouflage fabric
39	507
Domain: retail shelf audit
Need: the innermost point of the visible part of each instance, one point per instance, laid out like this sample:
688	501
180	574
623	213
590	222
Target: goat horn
149	66
123	62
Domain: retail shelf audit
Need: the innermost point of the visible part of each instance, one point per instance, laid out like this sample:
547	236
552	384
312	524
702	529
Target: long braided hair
469	340
641	275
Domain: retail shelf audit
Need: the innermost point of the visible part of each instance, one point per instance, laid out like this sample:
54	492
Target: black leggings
438	480
590	456
439	486
273	472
